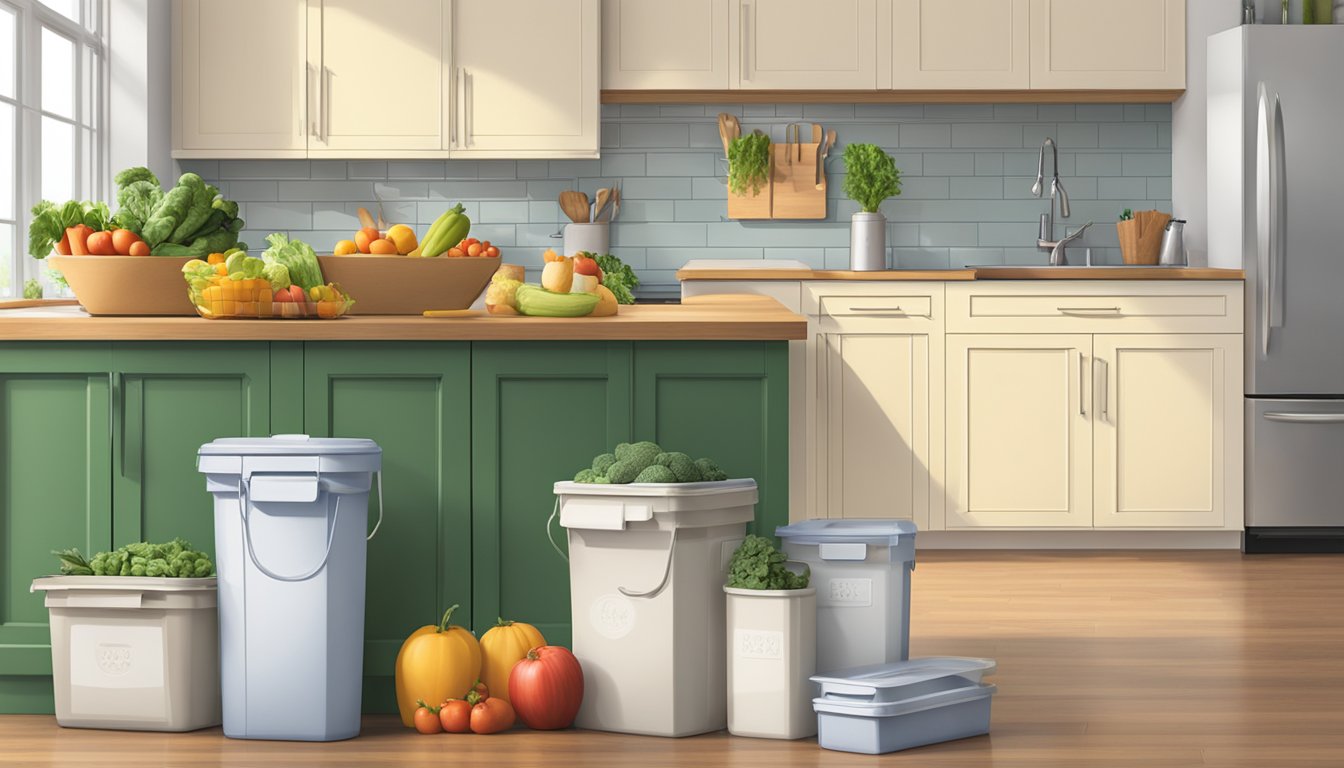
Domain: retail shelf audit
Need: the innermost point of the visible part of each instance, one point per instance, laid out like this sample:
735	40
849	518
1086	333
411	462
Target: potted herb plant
870	178
749	176
772	644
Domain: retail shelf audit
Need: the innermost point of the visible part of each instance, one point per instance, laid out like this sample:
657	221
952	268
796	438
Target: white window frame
31	16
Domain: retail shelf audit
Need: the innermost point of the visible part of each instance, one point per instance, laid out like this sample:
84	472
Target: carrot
63	247
79	235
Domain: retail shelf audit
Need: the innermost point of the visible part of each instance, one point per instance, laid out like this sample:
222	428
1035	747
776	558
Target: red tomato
282	295
122	240
546	687
492	716
481	691
455	714
296	294
100	244
427	719
138	248
584	265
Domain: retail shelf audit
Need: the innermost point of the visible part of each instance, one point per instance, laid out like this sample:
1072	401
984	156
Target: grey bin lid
290	445
888	532
901	679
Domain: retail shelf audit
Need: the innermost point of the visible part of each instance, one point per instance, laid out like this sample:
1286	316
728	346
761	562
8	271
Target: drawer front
1130	307
877	306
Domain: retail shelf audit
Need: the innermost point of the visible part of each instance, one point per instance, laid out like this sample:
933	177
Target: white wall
139	103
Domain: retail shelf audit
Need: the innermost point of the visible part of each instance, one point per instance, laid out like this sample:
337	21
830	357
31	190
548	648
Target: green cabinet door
55	457
414	400
725	400
169	399
541	411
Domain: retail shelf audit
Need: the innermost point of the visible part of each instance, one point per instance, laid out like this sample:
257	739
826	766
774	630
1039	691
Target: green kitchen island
101	417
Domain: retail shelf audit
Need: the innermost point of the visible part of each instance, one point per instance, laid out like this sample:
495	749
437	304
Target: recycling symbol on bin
612	615
114	658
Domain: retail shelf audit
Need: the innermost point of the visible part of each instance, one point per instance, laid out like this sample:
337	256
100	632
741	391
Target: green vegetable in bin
175	559
756	564
647	462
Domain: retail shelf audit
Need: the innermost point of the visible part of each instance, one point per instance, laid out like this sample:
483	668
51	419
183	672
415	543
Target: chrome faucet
1045	238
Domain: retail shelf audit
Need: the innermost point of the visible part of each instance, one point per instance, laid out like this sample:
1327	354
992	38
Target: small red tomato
474	249
296	294
492	716
492	252
480	690
455	714
282	295
427	719
583	265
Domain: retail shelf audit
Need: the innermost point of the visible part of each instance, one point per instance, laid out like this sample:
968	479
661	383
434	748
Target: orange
383	247
363	241
345	248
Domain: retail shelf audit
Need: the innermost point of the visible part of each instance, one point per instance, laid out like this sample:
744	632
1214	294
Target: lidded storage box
861	570
291	520
889	707
647	564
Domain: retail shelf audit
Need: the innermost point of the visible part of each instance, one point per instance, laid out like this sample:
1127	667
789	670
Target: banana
538	302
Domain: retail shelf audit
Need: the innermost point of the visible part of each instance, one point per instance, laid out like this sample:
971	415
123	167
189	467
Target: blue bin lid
888	532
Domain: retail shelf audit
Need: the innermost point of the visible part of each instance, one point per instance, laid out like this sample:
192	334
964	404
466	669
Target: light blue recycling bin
861	570
291	519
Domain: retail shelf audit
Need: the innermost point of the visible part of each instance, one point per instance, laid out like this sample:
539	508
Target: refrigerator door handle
1279	232
1263	199
1306	418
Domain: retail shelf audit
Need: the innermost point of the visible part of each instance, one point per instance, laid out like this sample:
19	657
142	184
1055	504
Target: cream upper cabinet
377	76
1107	44
532	92
656	44
1019	447
968	44
877	444
231	99
1167	425
804	44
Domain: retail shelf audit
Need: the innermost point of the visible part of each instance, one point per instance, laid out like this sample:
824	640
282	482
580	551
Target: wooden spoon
600	204
725	131
575	206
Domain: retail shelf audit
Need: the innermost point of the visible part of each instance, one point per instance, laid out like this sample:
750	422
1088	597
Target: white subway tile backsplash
966	171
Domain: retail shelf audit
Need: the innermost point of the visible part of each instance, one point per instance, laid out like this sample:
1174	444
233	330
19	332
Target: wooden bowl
127	285
408	285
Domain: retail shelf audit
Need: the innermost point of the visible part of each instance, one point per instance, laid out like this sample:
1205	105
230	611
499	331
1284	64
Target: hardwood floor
1105	659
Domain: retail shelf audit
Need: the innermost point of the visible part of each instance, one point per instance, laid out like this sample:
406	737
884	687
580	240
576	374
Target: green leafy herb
50	222
870	176
617	276
758	565
1127	214
175	559
32	289
749	163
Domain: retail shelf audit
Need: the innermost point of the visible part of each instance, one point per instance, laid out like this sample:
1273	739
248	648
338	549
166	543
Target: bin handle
251	552
549	536
378	524
667	572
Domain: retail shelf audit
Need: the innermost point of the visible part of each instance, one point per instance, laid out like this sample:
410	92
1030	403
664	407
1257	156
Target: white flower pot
868	242
772	653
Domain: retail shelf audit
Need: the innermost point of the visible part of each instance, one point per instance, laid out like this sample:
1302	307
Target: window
53	81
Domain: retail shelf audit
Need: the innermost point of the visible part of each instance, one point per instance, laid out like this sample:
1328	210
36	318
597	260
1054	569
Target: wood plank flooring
1158	659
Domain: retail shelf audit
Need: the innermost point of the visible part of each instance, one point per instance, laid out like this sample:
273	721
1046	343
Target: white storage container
889	707
861	570
647	564
772	654
291	519
133	652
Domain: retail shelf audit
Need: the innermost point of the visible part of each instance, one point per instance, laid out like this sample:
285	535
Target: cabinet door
969	44
654	44
378	75
239	84
55	462
878	439
532	92
1103	44
1019	436
540	412
803	44
414	400
1167	428
726	401
171	398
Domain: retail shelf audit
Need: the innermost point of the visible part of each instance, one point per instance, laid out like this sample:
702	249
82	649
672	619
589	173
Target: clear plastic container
647	564
133	652
861	570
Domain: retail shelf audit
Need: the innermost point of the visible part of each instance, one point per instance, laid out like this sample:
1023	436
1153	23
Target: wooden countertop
717	318
970	273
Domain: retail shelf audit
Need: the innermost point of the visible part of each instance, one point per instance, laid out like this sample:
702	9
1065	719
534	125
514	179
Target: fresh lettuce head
298	258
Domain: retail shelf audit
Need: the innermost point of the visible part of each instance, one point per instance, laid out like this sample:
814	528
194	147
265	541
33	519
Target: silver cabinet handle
895	309
461	83
1306	418
326	103
1089	310
1263	236
1280	221
314	102
1105	389
1082	387
452	124
743	17
468	127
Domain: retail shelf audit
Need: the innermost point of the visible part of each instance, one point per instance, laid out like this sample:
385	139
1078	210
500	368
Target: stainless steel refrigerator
1276	209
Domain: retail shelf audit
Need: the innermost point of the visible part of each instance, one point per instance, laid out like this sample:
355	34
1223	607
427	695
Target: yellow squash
504	645
436	662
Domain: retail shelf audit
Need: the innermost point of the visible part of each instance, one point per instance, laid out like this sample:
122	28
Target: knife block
793	182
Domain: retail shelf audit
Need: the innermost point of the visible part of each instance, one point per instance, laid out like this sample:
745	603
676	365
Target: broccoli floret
682	466
656	473
621	448
159	567
623	472
585	476
709	470
602	462
601	480
642	453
